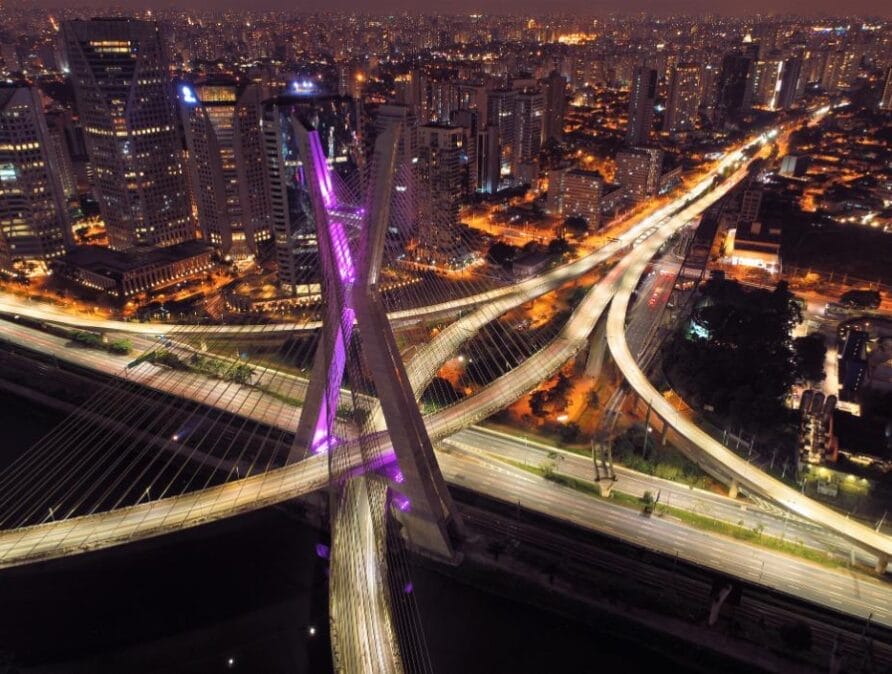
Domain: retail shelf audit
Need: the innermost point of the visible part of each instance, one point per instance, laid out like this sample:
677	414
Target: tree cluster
746	367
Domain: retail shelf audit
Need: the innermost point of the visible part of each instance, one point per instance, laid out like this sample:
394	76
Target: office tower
840	69
638	170
683	105
469	121
440	147
555	200
581	195
126	107
58	123
641	105
767	81
529	108
34	224
792	83
501	105
554	89
734	92
251	168
404	198
886	97
443	98
291	219
223	153
9	60
488	160
409	87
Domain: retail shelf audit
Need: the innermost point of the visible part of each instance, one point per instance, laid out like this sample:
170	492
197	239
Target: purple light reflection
323	437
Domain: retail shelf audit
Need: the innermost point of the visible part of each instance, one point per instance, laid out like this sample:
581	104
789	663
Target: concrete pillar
597	348
733	489
664	436
882	563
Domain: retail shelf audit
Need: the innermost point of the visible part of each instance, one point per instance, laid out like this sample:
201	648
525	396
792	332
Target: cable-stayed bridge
100	500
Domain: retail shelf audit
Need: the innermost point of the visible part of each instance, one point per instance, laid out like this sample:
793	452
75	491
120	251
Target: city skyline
660	8
415	343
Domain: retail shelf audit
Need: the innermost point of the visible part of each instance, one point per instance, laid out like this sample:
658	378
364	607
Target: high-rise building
488	160
58	123
792	83
404	198
222	142
469	121
293	226
34	225
767	81
840	68
440	148
734	93
554	88
886	97
126	106
501	105
528	120
683	106
638	171
578	194
641	105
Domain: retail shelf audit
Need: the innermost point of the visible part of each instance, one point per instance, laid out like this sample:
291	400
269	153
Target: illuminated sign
303	87
188	95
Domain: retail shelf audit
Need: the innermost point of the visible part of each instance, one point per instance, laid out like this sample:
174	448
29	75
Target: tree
569	432
538	399
647	499
122	346
810	353
578	225
558	246
592	398
501	253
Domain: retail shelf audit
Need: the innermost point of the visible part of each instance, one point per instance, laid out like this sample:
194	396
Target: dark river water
242	596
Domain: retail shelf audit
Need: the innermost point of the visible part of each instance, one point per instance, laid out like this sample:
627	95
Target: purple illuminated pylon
323	438
402	502
339	242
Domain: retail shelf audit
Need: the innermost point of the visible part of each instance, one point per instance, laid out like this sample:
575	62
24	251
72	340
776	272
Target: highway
74	535
777	523
837	589
750	478
158	517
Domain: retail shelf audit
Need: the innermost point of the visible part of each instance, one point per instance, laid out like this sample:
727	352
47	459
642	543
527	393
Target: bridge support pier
733	489
664	436
882	564
597	348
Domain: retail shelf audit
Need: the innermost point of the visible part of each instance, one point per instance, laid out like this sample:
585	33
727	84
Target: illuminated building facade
124	98
528	116
638	171
684	98
641	105
34	223
886	97
221	123
440	149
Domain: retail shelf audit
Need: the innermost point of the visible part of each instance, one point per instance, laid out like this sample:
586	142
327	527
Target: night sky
805	7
